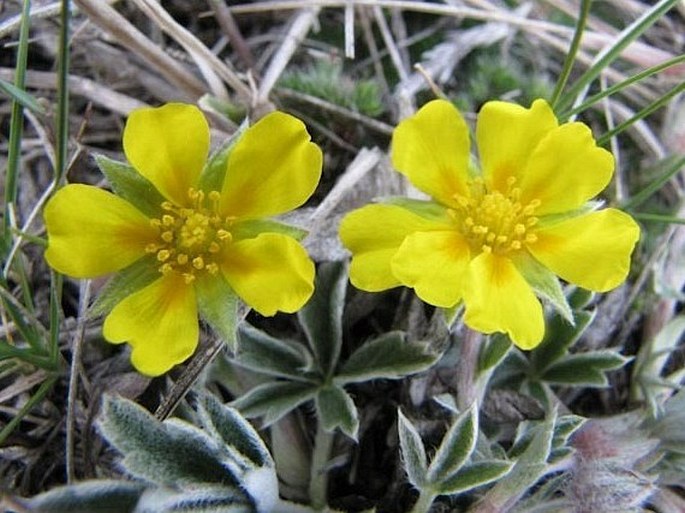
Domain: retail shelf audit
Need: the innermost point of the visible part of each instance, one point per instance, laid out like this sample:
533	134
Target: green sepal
101	496
131	186
262	353
413	452
321	317
424	208
131	279
474	475
553	219
456	447
389	356
218	305
546	284
336	409
274	399
586	369
214	172
251	228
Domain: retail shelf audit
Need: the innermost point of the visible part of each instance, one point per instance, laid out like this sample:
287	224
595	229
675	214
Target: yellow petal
273	168
92	232
432	149
168	145
271	273
159	322
498	299
433	264
507	134
592	250
566	170
373	234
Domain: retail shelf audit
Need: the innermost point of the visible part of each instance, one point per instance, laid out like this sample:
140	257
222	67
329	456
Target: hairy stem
318	483
424	502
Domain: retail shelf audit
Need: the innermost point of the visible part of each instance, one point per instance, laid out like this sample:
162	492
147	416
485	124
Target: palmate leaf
412	451
456	447
262	353
321	317
131	186
102	496
274	399
336	409
172	453
389	356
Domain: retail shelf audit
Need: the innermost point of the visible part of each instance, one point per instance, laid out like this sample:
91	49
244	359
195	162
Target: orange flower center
191	239
495	221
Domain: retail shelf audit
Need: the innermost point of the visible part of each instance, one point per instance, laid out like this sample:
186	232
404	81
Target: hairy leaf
274	399
494	350
389	356
337	410
89	497
456	446
203	499
587	369
547	285
218	305
412	451
321	317
474	475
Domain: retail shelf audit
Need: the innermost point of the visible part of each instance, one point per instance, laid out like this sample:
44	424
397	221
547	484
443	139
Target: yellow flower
196	238
489	235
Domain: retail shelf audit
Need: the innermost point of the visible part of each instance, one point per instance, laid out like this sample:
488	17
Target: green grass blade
607	56
658	218
572	52
63	93
19	95
672	166
622	85
35	399
655	105
16	122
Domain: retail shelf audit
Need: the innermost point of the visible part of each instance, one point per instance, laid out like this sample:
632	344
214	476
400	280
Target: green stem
573	50
424	502
467	367
318	483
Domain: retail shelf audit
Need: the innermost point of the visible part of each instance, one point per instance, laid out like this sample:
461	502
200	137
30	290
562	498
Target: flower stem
424	501
466	369
318	483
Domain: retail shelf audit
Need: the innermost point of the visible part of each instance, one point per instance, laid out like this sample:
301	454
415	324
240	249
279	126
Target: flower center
190	239
495	221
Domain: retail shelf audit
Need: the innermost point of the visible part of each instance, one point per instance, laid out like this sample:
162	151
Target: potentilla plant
492	236
189	234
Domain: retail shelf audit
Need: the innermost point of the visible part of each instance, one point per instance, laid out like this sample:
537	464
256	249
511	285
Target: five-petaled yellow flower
486	233
198	236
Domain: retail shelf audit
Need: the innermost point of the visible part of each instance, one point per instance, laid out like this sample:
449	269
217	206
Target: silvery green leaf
262	353
586	369
139	274
336	409
100	496
389	356
203	499
233	430
456	446
412	451
274	399
494	350
473	475
546	284
172	453
565	427
218	305
130	185
559	336
321	317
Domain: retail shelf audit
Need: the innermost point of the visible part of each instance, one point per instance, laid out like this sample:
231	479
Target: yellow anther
165	269
151	248
214	196
163	255
188	278
168	220
212	268
182	259
486	249
515	245
531	238
167	236
213	247
155	223
167	205
501	239
224	235
198	263
532	221
519	229
491	237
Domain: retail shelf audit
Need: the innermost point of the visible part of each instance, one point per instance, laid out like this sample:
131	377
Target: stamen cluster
495	221
190	238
